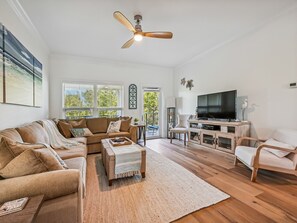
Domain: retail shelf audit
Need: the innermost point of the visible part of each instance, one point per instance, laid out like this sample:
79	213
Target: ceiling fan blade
122	19
128	43
163	35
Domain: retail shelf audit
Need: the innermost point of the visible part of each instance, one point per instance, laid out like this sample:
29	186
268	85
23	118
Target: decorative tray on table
120	141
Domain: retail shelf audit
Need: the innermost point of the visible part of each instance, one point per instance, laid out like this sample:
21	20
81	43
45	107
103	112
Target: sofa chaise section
64	190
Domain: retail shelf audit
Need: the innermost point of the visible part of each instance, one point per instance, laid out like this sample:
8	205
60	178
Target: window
80	100
109	101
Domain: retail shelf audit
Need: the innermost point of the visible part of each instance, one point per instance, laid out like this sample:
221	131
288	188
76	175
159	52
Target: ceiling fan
137	30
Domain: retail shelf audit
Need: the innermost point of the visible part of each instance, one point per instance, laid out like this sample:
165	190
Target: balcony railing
151	120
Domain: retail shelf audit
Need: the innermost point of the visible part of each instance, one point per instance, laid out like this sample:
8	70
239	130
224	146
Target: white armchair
276	154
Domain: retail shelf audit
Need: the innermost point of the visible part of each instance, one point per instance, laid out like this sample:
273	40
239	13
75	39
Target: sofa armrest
242	139
257	156
52	184
133	133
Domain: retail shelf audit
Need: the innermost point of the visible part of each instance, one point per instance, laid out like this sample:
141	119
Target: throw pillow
114	126
82	123
33	133
81	132
125	124
278	153
9	149
31	161
64	128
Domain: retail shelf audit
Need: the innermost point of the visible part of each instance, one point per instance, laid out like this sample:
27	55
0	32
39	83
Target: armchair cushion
247	155
288	136
278	153
178	130
182	121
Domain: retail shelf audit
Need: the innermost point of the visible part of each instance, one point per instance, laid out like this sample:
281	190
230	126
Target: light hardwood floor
273	198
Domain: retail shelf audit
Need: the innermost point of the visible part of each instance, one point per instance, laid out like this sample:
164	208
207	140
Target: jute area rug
168	192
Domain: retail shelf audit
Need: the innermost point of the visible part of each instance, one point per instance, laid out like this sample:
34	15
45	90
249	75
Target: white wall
260	66
83	69
13	115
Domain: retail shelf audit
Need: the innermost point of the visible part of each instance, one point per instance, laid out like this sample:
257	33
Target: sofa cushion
78	163
97	125
125	124
76	151
247	155
118	134
31	161
81	123
112	120
64	129
9	149
82	140
33	133
96	138
12	134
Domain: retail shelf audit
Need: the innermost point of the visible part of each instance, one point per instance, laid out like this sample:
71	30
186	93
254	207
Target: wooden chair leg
185	139
254	174
235	161
171	137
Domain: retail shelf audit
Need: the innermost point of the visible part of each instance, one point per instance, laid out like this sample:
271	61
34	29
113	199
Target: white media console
217	134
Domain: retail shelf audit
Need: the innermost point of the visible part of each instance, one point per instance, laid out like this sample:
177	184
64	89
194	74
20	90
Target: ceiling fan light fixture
138	37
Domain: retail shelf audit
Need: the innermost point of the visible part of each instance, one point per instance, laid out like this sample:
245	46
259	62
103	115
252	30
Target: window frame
95	109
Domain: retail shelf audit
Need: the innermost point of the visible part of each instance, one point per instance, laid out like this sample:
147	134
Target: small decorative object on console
13	206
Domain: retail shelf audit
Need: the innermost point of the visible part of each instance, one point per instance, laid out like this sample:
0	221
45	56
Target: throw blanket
127	160
57	141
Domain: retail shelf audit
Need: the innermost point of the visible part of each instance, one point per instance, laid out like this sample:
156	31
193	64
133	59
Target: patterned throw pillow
81	132
114	126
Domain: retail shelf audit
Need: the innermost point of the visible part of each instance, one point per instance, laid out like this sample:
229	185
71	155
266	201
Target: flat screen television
220	105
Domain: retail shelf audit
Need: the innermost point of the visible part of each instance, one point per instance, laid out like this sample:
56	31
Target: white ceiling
87	27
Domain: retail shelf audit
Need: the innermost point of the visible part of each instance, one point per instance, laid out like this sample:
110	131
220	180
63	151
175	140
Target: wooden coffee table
109	160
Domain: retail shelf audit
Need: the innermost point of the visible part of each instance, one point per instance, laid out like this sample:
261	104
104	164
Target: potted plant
136	120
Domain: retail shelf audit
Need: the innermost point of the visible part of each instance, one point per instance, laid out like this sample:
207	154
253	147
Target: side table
28	214
141	132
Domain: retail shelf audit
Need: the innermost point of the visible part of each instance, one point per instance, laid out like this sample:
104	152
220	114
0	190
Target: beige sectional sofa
64	190
98	126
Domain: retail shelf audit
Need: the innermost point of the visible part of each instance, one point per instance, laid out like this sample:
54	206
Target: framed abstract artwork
1	64
21	76
132	96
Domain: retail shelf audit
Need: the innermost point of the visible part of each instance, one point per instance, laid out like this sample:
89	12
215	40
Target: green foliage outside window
81	96
151	108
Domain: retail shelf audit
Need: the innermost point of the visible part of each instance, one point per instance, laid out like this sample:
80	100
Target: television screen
217	106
